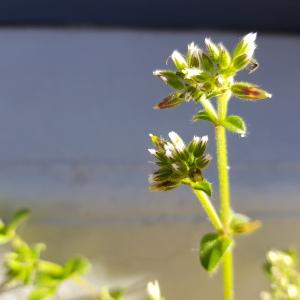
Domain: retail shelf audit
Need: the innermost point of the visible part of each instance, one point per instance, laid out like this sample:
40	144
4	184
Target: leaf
212	249
204	186
202	115
235	124
170	101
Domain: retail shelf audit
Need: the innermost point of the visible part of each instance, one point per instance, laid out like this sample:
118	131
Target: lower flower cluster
177	163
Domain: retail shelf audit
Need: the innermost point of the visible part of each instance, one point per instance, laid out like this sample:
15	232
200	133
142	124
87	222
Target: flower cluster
177	162
285	279
209	73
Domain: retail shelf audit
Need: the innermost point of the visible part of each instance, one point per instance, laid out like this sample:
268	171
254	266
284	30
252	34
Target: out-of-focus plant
24	266
207	78
281	269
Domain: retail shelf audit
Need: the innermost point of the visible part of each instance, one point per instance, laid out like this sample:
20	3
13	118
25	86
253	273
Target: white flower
192	47
204	139
190	73
154	290
178	60
212	48
177	141
175	166
152	151
151	179
249	43
250	37
207	157
196	139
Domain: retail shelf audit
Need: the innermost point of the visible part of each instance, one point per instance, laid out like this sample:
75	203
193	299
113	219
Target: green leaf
212	249
204	186
235	124
202	115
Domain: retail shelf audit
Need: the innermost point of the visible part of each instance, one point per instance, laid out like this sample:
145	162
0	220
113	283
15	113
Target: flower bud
177	141
248	91
212	49
206	63
170	78
224	58
178	60
177	163
170	101
242	61
246	46
193	55
192	73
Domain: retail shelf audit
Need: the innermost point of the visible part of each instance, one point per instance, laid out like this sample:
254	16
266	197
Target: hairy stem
209	209
224	190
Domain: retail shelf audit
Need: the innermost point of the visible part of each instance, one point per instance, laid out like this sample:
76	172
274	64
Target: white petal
250	37
151	179
196	139
152	151
177	141
204	139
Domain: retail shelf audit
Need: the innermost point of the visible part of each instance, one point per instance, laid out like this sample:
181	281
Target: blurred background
76	97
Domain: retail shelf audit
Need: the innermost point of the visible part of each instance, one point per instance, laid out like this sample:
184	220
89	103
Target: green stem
224	190
209	209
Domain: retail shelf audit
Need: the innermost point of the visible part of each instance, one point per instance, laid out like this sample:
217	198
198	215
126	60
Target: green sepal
224	58
249	91
235	124
170	101
204	186
213	247
202	115
206	63
170	78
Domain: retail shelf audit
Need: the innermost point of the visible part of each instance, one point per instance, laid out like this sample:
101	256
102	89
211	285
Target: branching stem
209	209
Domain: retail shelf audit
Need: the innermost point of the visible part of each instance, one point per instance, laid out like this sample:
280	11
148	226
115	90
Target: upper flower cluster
210	72
179	163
